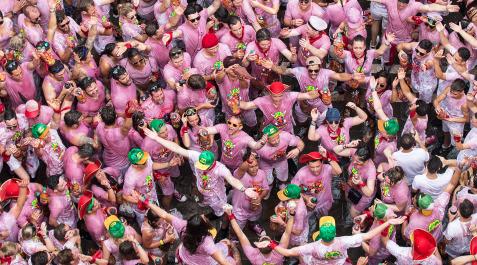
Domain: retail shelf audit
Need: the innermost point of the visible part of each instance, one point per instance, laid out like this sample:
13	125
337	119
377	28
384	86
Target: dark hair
464	53
458	85
56	67
60	16
11	66
231	60
247	154
222	15
131	52
85	82
422	107
426	45
363	153
39	258
178	43
196	230
109	48
407	141
65	257
263	34
196	82
466	208
434	164
192	8
395	174
72	117
358	38
108	115
126	249
404	1
86	151
233	19
156	86
81	51
9	114
59	232
53	180
152	218
137	119
151	29
175	50
117	71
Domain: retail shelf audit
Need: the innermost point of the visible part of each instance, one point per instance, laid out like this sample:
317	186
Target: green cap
270	130
206	159
137	157
39	130
157	124
380	210
327	231
390	126
115	226
292	191
424	201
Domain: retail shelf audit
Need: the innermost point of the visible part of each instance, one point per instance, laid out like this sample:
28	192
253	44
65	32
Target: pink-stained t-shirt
62	208
8	223
193	36
187	97
5	36
73	170
130	30
70	134
116	145
318	186
94	224
121	95
61	39
142	76
404	255
56	84
241	203
225	87
280	116
140	180
418	220
432	35
172	73
146	9
25	86
397	19
385	98
30	205
232	41
162	17
91	106
257	258
380	145
161	154
319	253
52	154
270	21
294	11
343	137
273	154
320	83
45	116
466	193
375	244
195	142
351	64
113	247
33	32
367	171
399	193
273	53
101	40
158	51
153	110
320	42
205	63
336	12
233	146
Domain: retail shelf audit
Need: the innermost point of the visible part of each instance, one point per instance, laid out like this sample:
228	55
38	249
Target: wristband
417	19
231	217
412	113
170	39
6	157
93	260
128	45
368	214
273	244
313	123
362	184
184	130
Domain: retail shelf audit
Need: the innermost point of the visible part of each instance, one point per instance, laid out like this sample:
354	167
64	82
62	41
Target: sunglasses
192	20
312	71
176	54
418	52
64	24
304	1
235	125
333	122
140	61
190	112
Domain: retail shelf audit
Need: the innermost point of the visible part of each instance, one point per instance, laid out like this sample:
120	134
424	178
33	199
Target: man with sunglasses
209	60
18	83
427	27
62	33
154	40
161	101
178	70
313	42
29	22
463	35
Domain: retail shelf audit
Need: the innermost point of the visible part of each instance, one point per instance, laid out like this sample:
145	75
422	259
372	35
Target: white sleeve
450	232
396	250
13	163
193	155
352	241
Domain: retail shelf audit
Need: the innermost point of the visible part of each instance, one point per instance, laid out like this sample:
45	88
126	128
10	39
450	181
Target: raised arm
376	231
166	143
439	8
377	105
385	44
285	240
406	90
161	212
467	37
213	7
361	115
312	134
247	105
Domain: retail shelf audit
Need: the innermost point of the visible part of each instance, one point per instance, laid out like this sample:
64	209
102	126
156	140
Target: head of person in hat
10	190
333	118
41	131
425	204
90	171
273	134
115	227
277	91
313	65
327	230
423	245
32	109
206	160
137	157
316	27
314	161
87	204
388	128
210	44
159	126
291	192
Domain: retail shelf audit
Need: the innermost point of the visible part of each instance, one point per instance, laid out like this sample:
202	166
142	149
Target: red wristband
231	217
417	19
128	45
368	214
93	260
6	157
331	157
273	244
184	130
412	113
170	39
362	184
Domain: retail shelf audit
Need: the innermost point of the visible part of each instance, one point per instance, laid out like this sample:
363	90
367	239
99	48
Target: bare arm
247	105
213	7
167	144
285	240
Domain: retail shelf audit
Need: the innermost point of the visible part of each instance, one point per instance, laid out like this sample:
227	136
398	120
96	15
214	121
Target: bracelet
362	184
161	242
231	217
93	260
313	123
368	214
273	244
242	189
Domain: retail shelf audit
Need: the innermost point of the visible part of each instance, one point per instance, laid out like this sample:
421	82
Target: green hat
425	202
39	130
157	124
270	130
114	226
138	157
327	230
292	191
390	126
206	159
380	210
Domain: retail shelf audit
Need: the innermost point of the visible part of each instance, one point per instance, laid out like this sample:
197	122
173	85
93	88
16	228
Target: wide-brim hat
84	202
423	244
90	170
10	189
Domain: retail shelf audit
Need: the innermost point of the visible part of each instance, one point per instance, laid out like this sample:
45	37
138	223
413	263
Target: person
19	81
158	235
90	210
141	68
438	174
54	85
327	246
123	89
466	147
411	158
457	236
62	33
192	123
212	52
75	160
62	209
90	95
178	69
160	103
49	147
394	188
8	218
238	36
129	23
35	113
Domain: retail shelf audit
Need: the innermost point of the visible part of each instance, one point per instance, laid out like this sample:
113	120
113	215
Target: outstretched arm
166	143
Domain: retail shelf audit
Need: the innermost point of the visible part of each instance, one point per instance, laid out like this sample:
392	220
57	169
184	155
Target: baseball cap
206	159
291	191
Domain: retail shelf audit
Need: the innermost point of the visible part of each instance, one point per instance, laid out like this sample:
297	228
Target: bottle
175	119
44	196
314	200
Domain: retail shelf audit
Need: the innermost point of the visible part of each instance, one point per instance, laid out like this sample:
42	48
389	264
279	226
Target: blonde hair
125	9
9	249
17	41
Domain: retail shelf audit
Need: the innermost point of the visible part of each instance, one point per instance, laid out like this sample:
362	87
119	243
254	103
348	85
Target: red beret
209	40
311	156
276	88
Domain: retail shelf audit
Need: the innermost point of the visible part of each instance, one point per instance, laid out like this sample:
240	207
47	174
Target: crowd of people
238	132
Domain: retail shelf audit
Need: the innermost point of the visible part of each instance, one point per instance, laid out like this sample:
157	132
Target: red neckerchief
241	37
209	169
320	34
6	260
338	132
356	58
263	51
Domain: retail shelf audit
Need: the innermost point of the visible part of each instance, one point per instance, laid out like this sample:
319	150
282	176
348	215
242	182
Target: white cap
317	23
